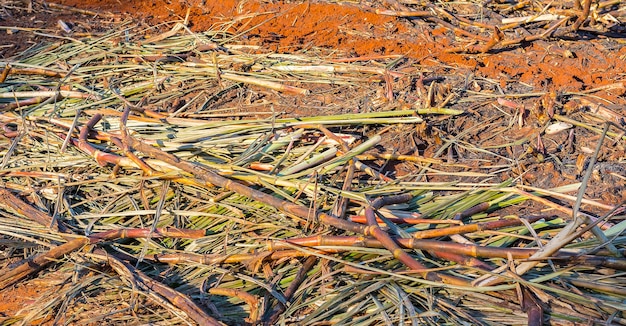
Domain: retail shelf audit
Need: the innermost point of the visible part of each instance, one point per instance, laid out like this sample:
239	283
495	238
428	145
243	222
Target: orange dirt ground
353	30
347	30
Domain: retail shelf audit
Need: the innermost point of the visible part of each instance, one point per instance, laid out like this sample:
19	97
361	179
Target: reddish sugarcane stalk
475	227
34	71
342	203
5	73
130	160
444	246
22	208
403	220
167	232
462	260
478	208
428	245
22	103
374	230
104	158
251	300
178	299
101	157
216	259
291	290
38	262
147	170
8	132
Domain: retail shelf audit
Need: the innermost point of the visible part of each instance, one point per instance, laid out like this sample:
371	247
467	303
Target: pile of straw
135	199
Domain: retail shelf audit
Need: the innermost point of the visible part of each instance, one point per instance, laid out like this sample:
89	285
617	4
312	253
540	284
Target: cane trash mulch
167	176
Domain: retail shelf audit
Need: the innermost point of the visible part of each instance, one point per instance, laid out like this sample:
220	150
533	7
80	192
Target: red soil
358	31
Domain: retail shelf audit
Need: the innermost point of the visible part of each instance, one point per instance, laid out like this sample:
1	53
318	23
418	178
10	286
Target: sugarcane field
310	162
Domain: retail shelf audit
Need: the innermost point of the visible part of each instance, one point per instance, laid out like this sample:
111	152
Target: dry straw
153	214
